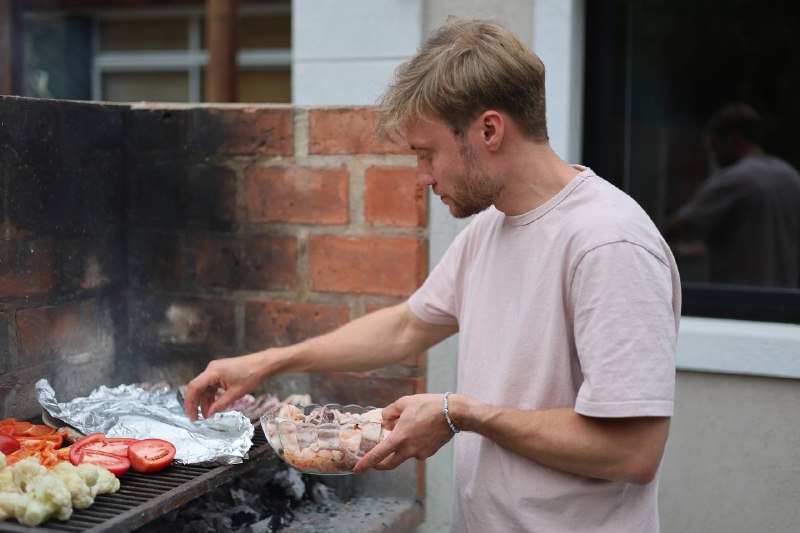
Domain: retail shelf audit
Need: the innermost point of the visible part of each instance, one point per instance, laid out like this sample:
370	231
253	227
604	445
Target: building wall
345	51
732	461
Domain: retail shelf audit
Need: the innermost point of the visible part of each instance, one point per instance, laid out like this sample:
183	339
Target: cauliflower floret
100	480
48	497
31	494
10	502
25	471
79	489
6	478
89	474
7	482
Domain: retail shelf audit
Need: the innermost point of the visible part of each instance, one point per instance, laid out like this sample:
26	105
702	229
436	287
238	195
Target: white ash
260	501
292	482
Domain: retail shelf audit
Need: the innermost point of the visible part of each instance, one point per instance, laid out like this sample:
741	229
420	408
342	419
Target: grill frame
145	497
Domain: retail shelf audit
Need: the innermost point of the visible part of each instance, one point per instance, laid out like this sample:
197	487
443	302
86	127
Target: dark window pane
656	71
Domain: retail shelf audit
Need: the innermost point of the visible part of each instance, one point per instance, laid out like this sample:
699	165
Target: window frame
191	60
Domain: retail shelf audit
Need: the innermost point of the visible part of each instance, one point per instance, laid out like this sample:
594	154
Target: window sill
739	347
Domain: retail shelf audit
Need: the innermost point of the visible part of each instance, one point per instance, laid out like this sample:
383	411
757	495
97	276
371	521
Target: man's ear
493	128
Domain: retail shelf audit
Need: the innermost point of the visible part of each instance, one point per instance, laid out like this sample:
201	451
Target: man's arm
618	449
372	341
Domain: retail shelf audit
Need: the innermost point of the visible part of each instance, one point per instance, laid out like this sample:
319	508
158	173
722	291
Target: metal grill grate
145	497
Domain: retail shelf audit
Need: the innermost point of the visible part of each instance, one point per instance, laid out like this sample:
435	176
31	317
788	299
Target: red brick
361	389
158	258
393	266
59	331
186	321
346	130
297	194
26	268
5	355
6	392
259	262
284	323
392	197
262	130
211	196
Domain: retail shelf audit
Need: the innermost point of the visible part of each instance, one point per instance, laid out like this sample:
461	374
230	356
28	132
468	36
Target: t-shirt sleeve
625	332
435	301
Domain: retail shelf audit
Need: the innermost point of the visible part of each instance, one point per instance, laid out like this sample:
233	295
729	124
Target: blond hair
463	69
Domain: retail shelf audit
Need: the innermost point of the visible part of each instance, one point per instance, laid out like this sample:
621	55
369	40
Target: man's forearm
620	449
381	338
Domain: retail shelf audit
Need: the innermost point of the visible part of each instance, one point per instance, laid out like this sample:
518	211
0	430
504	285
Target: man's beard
475	190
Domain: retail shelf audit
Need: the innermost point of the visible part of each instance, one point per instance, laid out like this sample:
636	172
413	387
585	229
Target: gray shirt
749	214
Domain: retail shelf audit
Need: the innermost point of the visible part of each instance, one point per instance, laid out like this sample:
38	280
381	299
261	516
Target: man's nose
425	178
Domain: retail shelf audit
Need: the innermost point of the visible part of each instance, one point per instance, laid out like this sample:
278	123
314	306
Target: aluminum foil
132	412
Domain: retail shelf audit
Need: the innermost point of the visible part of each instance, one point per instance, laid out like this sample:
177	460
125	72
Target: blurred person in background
564	294
747	213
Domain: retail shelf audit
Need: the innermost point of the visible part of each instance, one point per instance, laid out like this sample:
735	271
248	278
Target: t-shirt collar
537	213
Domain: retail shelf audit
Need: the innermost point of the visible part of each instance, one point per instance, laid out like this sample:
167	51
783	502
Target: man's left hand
418	427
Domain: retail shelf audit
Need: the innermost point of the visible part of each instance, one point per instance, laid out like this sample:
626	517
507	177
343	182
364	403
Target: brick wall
263	226
63	274
138	242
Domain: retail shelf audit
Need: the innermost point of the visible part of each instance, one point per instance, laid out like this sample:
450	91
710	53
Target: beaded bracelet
447	413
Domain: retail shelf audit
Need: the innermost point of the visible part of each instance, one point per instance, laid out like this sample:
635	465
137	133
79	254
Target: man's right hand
237	376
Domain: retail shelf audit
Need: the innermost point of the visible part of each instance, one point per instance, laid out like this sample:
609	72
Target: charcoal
262	500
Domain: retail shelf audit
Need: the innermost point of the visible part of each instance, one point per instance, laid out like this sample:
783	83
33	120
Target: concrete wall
732	462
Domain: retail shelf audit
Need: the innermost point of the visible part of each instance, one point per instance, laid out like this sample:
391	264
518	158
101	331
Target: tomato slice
113	463
99	442
151	455
112	445
8	444
76	448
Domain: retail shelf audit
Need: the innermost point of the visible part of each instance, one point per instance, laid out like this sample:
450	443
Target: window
656	71
124	55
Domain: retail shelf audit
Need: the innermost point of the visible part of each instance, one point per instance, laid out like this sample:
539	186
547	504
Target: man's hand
236	375
418	428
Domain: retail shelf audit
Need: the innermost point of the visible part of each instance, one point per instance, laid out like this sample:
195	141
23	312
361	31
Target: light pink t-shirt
577	304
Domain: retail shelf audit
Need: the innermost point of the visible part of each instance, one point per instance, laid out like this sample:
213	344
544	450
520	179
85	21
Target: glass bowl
323	439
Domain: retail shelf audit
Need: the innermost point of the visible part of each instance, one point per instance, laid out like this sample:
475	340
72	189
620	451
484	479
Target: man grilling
564	294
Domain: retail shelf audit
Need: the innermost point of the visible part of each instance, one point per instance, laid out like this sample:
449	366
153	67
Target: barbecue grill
126	258
144	497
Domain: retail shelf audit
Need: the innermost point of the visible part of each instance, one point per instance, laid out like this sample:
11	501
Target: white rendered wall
344	52
558	37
